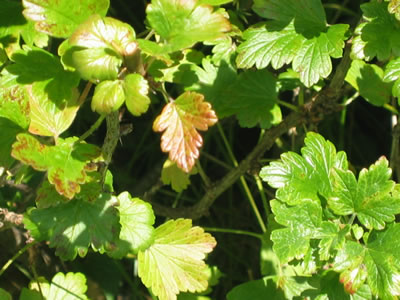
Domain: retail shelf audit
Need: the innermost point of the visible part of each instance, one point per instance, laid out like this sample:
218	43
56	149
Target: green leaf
332	238
74	226
302	222
392	73
59	18
214	2
171	174
108	96
5	295
374	198
97	48
176	259
52	93
379	36
304	177
184	23
136	91
70	286
368	80
257	290
136	219
377	261
303	39
66	163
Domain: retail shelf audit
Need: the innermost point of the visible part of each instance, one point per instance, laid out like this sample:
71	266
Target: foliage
280	84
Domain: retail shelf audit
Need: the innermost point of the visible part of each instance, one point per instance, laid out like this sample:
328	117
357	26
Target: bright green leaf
176	259
332	238
394	8
108	96
74	226
214	2
66	163
171	174
377	262
183	23
70	286
303	39
368	80
304	177
59	18
392	73
379	36
136	219
136	91
374	198
302	222
97	48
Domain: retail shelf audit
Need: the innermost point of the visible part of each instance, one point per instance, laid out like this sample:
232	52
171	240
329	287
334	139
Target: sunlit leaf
136	91
66	163
97	48
303	39
176	259
183	23
379	35
108	96
59	18
374	198
392	73
70	286
180	120
377	262
394	8
305	177
76	225
136	219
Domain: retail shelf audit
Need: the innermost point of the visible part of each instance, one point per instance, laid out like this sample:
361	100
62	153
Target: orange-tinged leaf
180	120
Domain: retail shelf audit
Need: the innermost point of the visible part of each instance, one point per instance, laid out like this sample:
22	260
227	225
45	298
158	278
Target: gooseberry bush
114	113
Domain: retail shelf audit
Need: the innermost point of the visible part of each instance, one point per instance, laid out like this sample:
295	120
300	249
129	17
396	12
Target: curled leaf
180	120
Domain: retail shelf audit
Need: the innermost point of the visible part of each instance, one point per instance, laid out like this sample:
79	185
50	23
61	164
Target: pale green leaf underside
136	219
176	259
59	18
70	286
108	96
136	90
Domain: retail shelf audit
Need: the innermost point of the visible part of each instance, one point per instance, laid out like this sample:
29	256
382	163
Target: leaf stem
85	93
93	128
262	194
16	255
203	175
288	105
234	231
242	180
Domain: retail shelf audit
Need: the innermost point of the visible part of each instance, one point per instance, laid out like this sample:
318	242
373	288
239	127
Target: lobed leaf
176	259
180	120
67	163
137	232
171	174
74	226
374	198
183	23
303	39
377	262
392	73
305	177
379	35
68	286
59	18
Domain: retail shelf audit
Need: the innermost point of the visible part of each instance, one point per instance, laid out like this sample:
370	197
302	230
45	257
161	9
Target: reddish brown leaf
180	120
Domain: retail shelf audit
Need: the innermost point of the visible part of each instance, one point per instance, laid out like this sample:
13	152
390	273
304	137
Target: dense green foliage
199	149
